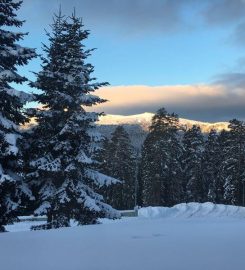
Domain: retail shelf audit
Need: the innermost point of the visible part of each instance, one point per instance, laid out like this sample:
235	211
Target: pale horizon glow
198	102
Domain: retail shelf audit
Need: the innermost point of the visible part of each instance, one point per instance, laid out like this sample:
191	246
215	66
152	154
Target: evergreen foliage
65	140
161	167
193	144
234	163
118	160
211	167
222	142
12	55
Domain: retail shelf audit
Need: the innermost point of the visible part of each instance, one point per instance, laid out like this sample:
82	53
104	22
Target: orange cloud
138	95
206	102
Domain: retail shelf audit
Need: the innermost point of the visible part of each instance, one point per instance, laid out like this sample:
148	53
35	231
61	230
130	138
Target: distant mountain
138	125
144	120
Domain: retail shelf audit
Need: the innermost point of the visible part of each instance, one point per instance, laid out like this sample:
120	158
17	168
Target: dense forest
177	165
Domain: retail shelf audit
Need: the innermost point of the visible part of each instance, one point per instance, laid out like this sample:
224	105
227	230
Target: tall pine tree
223	140
12	55
118	160
63	165
160	165
211	167
193	144
233	165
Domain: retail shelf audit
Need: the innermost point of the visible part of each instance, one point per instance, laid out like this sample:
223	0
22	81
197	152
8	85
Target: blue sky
160	43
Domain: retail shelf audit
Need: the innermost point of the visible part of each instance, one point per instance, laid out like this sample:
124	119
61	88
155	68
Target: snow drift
193	210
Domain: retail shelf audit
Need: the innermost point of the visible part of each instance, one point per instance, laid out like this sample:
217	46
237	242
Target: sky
185	55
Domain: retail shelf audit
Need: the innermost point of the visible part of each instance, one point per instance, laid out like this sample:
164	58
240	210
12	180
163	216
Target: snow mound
193	210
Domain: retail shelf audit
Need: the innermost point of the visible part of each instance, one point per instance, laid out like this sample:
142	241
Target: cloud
198	102
229	14
238	35
220	12
134	18
126	17
233	82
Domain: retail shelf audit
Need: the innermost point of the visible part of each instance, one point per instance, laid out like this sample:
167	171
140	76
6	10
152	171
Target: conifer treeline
178	165
117	158
50	170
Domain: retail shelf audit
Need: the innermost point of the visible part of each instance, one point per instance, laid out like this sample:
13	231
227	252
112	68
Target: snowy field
192	236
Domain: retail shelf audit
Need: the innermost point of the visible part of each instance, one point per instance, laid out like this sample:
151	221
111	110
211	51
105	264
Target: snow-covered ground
199	237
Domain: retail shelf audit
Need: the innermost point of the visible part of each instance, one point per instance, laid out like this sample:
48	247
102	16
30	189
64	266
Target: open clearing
199	242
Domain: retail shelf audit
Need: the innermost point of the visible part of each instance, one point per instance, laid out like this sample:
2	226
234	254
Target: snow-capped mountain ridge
137	126
144	120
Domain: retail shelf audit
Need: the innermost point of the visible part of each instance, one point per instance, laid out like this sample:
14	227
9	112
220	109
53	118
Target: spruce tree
160	165
233	165
63	165
140	184
105	166
193	143
119	162
223	140
12	55
211	167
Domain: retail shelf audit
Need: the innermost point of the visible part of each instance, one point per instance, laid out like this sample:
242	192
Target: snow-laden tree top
65	139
